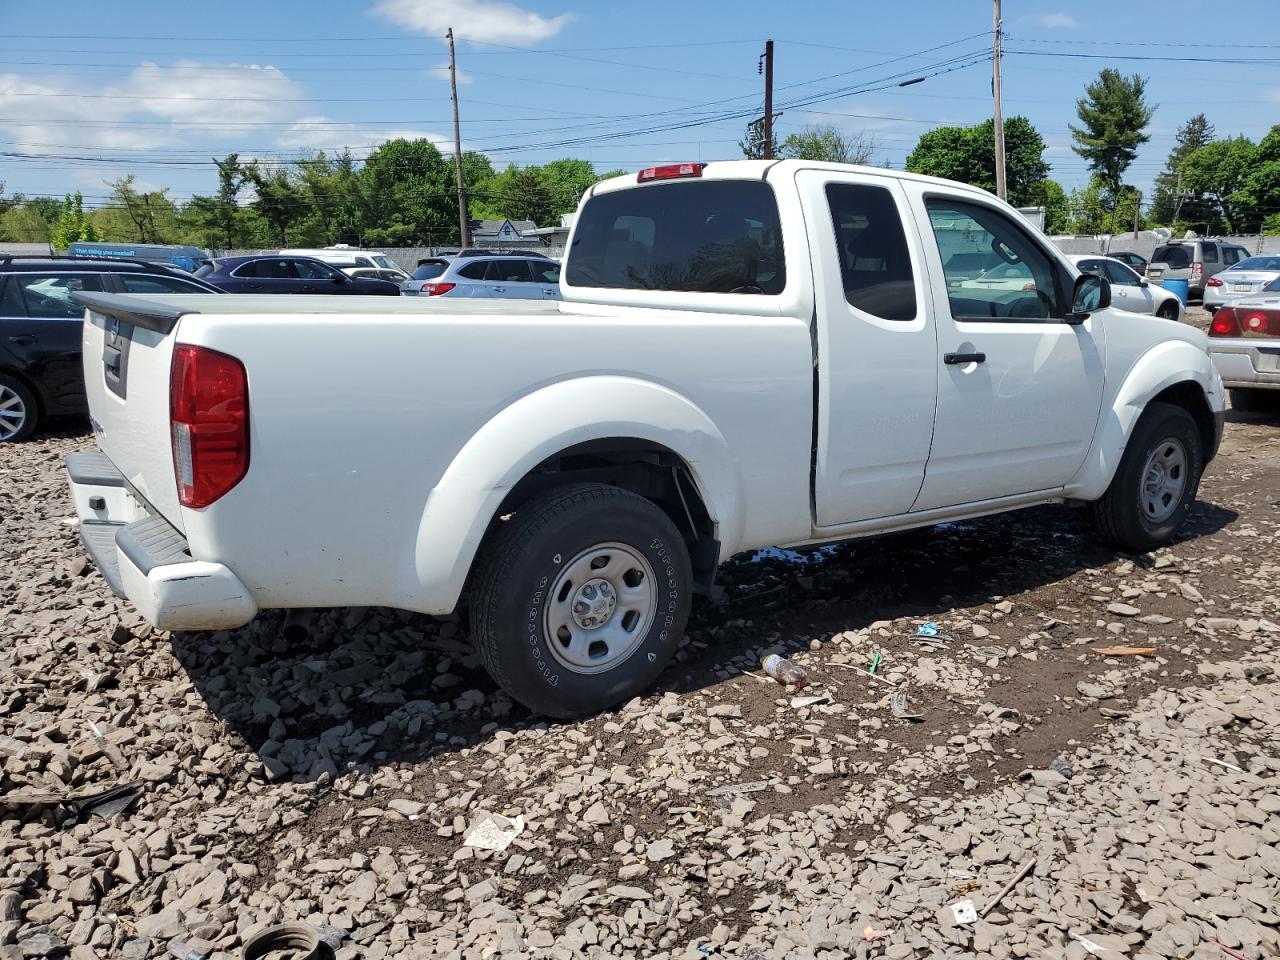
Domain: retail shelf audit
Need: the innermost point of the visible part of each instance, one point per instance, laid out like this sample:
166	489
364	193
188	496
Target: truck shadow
359	689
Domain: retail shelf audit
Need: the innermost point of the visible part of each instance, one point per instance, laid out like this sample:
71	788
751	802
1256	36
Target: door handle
952	359
499	289
23	340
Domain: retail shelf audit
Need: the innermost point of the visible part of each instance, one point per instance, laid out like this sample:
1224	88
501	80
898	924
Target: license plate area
1241	287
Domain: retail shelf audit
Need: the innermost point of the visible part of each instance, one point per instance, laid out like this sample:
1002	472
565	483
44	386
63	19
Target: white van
347	259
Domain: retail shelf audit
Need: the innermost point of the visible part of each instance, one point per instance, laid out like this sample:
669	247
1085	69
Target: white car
1244	279
748	354
1244	341
1130	291
1012	277
349	259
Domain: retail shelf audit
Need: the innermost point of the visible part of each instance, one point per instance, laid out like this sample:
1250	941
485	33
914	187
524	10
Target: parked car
1244	279
1015	278
268	273
1194	260
494	277
1130	291
396	276
1134	261
1244	341
725	376
41	329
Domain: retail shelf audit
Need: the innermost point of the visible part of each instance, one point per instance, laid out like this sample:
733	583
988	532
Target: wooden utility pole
1001	191
768	99
1137	212
464	231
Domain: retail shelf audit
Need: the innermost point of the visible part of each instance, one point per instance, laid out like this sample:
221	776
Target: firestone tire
581	599
1156	483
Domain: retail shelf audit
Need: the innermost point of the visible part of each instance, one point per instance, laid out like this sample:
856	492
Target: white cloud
485	20
1055	21
321	133
175	105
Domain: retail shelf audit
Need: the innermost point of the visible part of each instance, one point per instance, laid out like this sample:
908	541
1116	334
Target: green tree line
402	194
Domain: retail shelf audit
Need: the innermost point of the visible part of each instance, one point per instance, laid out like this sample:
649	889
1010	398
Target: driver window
993	269
1120	275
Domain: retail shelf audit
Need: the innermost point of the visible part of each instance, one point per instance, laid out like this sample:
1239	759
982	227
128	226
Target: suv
522	277
40	329
1194	260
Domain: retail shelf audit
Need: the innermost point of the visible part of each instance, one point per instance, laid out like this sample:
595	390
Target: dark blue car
268	273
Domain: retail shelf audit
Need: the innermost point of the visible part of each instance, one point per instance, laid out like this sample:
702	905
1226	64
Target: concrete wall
1146	243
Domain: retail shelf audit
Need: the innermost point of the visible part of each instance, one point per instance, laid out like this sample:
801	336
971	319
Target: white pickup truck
747	354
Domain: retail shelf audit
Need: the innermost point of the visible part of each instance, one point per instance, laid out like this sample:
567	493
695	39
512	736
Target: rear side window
1210	251
49	297
474	271
1174	257
545	271
872	247
710	236
508	271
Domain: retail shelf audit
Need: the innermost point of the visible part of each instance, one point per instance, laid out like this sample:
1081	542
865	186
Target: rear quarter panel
355	419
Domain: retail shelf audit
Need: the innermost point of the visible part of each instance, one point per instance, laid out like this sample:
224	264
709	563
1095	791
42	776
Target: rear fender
541	424
1164	365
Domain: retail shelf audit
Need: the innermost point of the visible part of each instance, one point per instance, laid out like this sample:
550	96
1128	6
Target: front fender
541	424
1164	365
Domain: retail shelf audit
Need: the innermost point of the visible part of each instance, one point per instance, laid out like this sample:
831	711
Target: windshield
205	269
1175	257
383	262
1258	263
429	271
709	236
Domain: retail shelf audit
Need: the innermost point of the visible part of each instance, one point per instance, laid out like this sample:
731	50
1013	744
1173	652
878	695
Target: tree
280	201
753	143
152	216
23	223
828	143
1057	211
567	180
1113	116
968	154
1221	171
529	197
410	197
72	225
1170	200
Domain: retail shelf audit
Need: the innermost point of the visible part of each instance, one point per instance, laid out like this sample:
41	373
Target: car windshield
384	262
429	271
1258	263
1175	257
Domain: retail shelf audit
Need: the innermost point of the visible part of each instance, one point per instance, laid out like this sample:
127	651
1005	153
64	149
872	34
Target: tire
1254	401
19	412
1164	449
536	607
1168	311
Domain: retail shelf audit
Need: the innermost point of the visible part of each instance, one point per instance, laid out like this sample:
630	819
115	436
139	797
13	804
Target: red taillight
670	171
1213	282
209	423
435	289
1259	322
1197	270
1225	323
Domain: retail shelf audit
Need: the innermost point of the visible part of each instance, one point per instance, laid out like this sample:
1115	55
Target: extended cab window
872	247
1020	281
708	236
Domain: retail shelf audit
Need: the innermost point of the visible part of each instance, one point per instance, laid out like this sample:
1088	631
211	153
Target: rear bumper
1247	363
145	560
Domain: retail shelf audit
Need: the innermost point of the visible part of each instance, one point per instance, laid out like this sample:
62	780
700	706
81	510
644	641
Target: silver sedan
1130	291
1243	279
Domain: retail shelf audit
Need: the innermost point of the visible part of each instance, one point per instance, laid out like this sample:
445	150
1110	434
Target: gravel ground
333	776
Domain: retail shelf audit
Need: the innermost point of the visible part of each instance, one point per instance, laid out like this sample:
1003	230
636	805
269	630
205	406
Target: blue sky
156	89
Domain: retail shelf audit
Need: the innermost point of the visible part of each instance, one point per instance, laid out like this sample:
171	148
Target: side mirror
1091	293
1144	282
340	278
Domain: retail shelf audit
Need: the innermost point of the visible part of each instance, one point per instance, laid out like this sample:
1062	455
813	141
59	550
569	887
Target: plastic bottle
784	671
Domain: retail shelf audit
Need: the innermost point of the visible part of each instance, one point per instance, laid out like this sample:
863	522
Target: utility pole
464	232
1137	212
1001	191
768	99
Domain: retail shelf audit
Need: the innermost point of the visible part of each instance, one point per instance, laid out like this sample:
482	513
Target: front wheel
1168	311
1156	482
580	599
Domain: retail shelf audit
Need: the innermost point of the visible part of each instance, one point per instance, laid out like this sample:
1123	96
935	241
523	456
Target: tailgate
128	345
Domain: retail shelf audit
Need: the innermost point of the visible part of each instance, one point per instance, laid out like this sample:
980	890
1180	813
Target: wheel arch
1174	371
636	434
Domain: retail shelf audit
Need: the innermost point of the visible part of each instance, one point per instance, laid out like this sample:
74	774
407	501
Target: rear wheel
18	410
580	599
1156	482
1254	401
